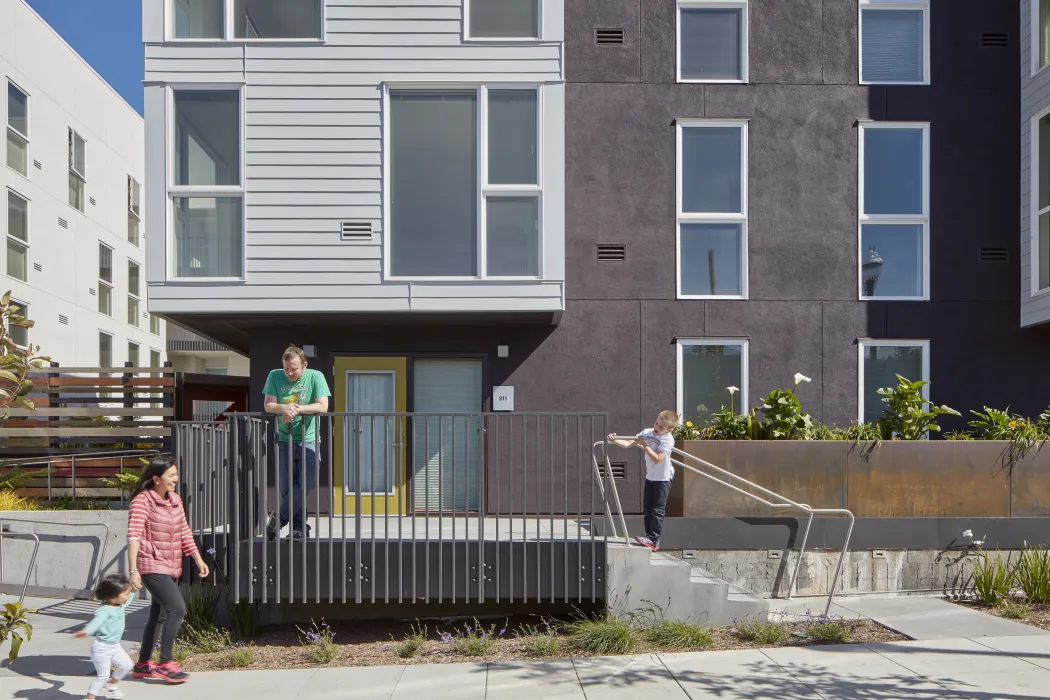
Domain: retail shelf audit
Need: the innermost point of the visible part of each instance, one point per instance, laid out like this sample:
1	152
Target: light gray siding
313	156
1035	99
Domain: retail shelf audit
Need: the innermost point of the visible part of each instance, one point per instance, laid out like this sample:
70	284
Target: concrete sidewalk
54	666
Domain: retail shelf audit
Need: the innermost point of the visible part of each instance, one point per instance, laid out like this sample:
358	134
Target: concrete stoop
640	580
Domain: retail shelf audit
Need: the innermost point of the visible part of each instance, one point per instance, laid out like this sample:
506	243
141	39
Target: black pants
166	596
654	508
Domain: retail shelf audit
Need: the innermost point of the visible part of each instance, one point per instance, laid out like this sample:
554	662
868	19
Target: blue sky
107	34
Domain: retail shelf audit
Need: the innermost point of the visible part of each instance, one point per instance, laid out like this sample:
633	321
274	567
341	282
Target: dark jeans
165	593
302	481
654	507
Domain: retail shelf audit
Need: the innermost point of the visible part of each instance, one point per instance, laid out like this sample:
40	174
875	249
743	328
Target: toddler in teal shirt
107	626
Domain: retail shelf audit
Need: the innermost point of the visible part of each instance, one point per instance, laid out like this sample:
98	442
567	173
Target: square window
894	218
712	41
707	370
894	42
198	19
512	236
881	362
20	334
208	241
503	19
712	211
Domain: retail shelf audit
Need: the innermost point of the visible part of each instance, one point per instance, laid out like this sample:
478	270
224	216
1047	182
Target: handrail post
801	553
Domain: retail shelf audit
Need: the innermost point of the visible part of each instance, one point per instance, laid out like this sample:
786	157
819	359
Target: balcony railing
410	507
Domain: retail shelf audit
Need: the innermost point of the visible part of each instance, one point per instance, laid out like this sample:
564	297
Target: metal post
801	553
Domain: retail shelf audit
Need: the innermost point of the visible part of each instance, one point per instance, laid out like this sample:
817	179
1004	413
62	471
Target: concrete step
640	578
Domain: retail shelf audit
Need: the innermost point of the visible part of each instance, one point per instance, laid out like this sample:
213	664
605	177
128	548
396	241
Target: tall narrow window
105	279
1040	206
435	230
20	334
133	353
712	209
1041	30
17	130
77	170
712	41
207	190
133	293
154	358
17	236
894	211
134	211
156	326
105	349
894	41
881	361
712	375
503	19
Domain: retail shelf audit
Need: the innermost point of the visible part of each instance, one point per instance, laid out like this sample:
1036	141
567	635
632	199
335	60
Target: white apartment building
71	179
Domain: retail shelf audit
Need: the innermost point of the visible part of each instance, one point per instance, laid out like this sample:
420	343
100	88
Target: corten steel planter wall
939	478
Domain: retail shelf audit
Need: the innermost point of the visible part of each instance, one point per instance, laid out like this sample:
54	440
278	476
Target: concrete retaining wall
70	550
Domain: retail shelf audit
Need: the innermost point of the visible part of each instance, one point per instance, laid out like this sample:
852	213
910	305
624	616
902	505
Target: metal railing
768	498
86	458
419	507
36	547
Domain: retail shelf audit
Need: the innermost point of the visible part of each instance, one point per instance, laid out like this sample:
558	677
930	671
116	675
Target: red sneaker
645	542
170	672
143	669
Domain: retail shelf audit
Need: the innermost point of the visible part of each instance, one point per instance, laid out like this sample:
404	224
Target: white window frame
137	297
24	138
159	322
745	42
503	40
138	350
923	5
173	191
98	347
712	218
889	219
73	135
135	208
742	406
16	239
485	190
1034	211
22	308
1035	45
229	38
103	283
863	343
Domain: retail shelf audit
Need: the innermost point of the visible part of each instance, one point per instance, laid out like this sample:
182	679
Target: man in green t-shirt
296	395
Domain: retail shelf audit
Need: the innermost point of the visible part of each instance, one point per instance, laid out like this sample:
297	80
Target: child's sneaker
143	669
171	672
112	691
645	542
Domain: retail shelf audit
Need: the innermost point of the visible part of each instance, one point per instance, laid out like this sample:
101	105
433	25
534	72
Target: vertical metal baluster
386	442
565	502
291	511
426	516
551	503
232	470
358	471
317	509
510	514
304	545
253	510
525	508
482	463
400	489
593	571
211	483
372	506
277	513
330	420
441	508
497	467
539	521
455	495
347	446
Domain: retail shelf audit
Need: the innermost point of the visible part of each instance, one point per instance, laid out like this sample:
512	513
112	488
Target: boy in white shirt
657	443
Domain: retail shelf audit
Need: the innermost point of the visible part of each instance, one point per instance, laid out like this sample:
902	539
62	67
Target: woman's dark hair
112	586
156	467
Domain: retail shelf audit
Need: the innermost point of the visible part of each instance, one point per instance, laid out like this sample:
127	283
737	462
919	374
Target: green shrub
1033	574
607	635
473	640
681	636
1014	610
909	416
992	579
201	603
826	630
540	643
763	631
412	643
319	642
205	640
243	615
241	657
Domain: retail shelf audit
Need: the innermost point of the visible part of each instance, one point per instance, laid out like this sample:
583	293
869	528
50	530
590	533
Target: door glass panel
370	459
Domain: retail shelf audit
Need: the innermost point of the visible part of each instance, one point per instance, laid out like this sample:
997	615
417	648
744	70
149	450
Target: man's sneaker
112	691
171	672
271	527
645	542
143	669
297	535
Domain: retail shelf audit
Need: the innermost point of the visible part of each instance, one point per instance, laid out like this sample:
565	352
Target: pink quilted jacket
164	536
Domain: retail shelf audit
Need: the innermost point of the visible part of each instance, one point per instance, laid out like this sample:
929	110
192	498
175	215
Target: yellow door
370	448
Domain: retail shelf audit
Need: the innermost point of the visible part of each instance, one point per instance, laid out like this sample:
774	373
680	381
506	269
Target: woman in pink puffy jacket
158	538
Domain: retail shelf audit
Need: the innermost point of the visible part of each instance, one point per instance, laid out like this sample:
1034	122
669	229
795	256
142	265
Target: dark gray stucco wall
803	103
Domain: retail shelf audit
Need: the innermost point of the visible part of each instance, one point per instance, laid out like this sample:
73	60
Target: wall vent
608	37
619	471
994	255
63	223
92	200
38	267
64	320
612	252
355	231
145	314
93	292
37	165
995	40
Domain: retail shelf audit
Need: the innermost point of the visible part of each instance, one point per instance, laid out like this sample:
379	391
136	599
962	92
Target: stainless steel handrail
32	561
784	502
612	487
